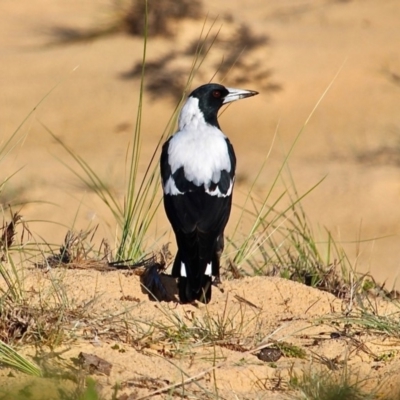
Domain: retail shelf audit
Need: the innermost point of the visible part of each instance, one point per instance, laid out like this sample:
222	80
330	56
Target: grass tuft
342	385
11	358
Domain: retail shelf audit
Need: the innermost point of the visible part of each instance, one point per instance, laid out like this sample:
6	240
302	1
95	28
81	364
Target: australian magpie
198	172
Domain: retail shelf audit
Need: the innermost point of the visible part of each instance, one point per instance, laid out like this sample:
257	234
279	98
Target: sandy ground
352	138
152	346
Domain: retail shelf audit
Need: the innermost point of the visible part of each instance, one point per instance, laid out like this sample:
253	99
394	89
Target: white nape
201	149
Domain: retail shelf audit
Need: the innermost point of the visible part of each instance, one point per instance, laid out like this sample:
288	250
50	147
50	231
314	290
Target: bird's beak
237	94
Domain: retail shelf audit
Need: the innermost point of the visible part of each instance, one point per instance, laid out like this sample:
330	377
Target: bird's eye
217	94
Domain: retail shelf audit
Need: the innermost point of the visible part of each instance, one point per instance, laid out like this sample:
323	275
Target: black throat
210	114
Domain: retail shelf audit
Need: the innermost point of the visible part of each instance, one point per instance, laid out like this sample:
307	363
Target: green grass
280	240
371	321
345	384
342	385
134	215
11	358
235	328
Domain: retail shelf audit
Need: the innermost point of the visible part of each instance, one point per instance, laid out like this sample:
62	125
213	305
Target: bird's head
206	100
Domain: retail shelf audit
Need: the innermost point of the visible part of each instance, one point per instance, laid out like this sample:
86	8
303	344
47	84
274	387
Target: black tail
196	251
188	295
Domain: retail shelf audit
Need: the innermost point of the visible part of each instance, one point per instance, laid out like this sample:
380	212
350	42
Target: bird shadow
159	286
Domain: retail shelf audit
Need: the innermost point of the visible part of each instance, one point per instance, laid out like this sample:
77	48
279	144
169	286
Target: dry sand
156	345
352	139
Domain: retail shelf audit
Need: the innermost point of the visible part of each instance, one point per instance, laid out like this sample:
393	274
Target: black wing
165	168
195	209
198	219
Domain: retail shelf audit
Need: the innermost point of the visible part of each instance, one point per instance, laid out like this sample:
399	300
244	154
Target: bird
197	168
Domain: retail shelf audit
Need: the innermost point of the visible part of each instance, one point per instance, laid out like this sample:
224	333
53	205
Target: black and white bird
198	173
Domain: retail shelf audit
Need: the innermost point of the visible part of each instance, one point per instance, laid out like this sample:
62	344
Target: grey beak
237	94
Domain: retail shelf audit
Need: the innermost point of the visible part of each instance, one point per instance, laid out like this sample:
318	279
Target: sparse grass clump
342	385
375	323
291	350
282	243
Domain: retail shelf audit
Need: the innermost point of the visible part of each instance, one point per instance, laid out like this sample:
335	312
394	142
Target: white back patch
190	114
198	147
170	187
217	192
